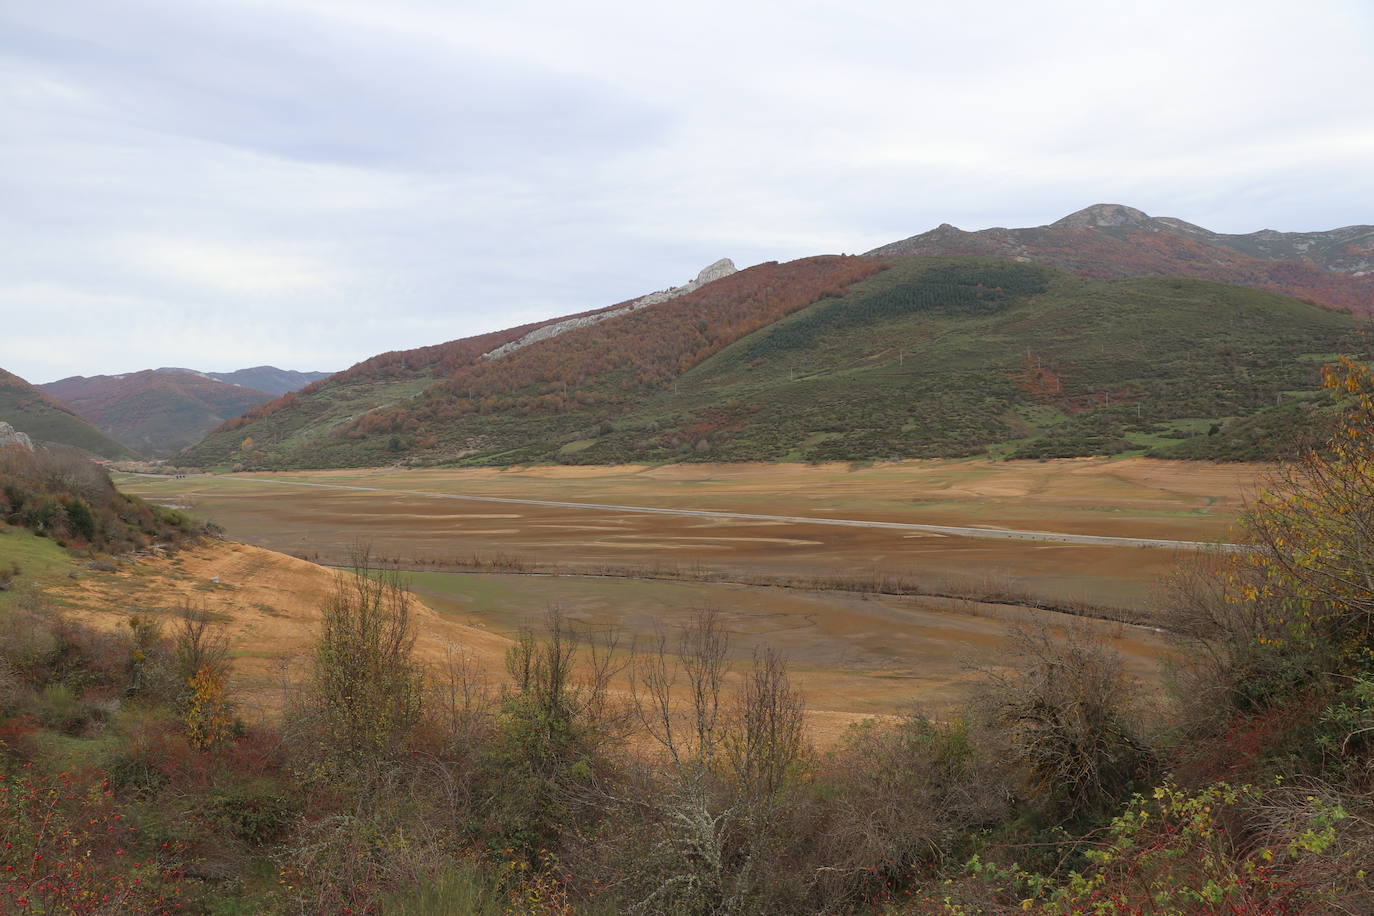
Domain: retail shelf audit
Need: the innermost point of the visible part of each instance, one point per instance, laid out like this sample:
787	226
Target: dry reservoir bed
852	653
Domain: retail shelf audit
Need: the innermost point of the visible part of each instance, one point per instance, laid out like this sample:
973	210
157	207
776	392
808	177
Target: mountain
1334	268
46	419
155	412
717	271
831	358
269	378
311	416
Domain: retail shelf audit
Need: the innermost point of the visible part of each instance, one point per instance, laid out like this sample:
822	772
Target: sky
306	183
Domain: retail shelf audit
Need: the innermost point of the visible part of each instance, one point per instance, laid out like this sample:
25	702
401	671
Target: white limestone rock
722	268
11	436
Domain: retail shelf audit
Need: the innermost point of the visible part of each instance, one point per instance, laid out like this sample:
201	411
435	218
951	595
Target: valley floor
814	591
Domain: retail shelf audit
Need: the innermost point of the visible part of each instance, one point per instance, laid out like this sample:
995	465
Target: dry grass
268	604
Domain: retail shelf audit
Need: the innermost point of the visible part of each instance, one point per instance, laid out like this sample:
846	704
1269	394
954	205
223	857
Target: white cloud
232	269
392	174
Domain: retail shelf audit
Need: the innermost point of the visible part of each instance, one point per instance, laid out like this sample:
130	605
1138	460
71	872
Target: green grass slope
300	423
932	357
47	420
1052	365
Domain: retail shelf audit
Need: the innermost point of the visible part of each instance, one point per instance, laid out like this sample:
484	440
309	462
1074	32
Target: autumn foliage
437	360
603	363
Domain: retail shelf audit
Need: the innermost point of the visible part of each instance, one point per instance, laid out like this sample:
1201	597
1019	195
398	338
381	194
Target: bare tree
197	642
765	744
693	737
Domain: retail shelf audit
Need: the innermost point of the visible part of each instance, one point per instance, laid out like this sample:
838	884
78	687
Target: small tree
143	666
365	689
200	662
555	726
765	744
1314	527
207	712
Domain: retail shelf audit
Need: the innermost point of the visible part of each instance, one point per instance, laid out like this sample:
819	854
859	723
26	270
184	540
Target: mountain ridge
1332	267
155	412
44	418
876	358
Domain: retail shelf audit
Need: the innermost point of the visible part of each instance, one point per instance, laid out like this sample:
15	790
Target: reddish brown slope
613	360
1107	240
154	411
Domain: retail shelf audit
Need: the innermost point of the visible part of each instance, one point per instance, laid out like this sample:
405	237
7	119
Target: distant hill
1334	268
45	419
828	359
156	412
269	378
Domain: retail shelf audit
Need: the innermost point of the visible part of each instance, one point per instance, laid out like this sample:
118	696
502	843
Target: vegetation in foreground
57	493
132	786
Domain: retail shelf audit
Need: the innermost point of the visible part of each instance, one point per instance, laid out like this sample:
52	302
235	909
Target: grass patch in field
39	559
577	445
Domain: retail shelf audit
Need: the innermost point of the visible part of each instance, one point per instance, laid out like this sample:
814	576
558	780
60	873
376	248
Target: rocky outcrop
11	436
722	268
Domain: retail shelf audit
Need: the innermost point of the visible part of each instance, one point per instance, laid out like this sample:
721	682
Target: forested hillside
338	420
44	418
157	411
849	359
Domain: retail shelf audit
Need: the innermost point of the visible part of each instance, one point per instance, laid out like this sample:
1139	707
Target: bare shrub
44	646
12	688
197	643
347	861
146	666
689	730
462	702
1236	656
901	797
710	824
1063	717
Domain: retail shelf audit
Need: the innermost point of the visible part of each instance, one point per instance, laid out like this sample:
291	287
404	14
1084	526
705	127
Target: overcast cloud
308	182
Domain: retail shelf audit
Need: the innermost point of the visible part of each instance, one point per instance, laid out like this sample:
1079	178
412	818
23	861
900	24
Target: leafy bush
365	690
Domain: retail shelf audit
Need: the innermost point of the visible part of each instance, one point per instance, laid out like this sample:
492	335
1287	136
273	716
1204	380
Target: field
269	605
872	619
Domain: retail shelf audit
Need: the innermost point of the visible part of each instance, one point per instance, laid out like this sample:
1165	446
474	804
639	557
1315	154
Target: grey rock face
11	436
722	268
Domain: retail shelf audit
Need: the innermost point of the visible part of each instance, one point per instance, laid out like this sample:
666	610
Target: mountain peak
1103	216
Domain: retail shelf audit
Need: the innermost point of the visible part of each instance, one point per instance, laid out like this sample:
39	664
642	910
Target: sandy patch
453	515
268	603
